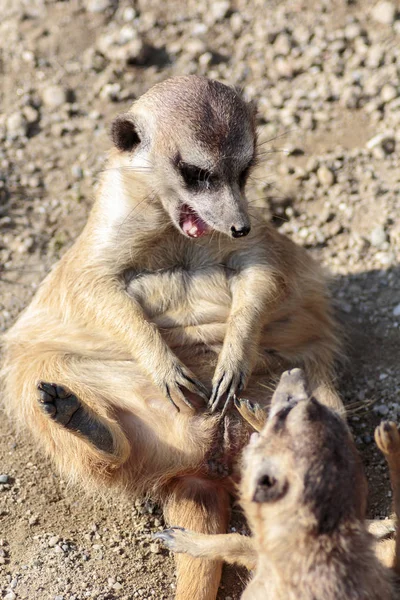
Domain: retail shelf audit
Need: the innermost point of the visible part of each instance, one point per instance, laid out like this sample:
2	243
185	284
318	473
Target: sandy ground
326	79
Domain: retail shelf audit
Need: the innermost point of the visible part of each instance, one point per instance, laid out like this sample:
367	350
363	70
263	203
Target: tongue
191	223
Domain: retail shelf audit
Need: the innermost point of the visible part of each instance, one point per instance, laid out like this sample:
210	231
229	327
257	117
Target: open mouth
191	224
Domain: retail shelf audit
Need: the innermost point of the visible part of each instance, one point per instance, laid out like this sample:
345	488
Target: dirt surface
326	78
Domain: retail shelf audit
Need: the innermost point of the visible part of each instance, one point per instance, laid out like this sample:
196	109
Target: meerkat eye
246	172
194	176
244	176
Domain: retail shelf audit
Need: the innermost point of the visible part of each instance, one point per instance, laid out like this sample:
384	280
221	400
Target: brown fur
136	312
304	494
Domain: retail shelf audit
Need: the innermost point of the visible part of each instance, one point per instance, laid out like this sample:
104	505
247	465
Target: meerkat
304	492
173	300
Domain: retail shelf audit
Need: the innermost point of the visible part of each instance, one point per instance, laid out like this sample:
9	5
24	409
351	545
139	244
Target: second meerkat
173	297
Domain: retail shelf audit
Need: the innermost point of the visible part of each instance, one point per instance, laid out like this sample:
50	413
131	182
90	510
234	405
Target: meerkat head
196	138
302	473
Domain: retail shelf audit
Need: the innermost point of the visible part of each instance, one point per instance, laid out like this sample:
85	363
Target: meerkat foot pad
63	407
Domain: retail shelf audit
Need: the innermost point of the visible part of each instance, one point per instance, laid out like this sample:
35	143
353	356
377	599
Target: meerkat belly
189	307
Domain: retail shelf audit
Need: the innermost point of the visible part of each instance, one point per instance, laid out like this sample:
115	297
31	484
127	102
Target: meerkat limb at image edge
173	300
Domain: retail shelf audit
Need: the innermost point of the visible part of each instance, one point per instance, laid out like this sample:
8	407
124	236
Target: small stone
4	478
117	586
58	597
10	596
352	31
384	142
367	439
54	96
53	541
16	125
312	164
30	114
325	176
377	236
76	171
388	92
97	6
282	44
236	23
33	520
154	548
219	9
396	311
110	91
382	410
384	12
128	14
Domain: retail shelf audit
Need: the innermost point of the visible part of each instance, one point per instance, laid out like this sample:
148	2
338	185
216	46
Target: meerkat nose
240	232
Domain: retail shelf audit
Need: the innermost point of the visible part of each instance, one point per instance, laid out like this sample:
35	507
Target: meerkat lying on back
304	494
171	302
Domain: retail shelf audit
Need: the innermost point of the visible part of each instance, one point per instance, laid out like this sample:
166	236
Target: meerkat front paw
229	379
176	539
387	438
175	379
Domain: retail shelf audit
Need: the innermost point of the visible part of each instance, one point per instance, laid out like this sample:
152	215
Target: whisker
276	137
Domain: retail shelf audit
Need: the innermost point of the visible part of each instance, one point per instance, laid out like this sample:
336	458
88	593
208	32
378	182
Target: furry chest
182	297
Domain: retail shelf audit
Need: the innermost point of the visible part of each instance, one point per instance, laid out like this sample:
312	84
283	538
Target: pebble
16	125
396	311
219	9
4	478
384	12
378	236
31	114
386	142
325	176
10	596
388	92
54	96
382	410
53	541
97	6
76	171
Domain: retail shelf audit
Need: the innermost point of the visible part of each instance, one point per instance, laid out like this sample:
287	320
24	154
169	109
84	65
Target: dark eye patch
195	176
246	172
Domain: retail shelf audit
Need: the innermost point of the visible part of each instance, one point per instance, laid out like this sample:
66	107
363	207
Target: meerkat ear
124	133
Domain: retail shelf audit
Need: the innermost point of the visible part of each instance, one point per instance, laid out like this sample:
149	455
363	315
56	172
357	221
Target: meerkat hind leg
63	407
387	437
252	413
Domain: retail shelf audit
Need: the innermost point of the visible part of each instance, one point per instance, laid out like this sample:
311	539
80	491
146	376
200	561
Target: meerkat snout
197	140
